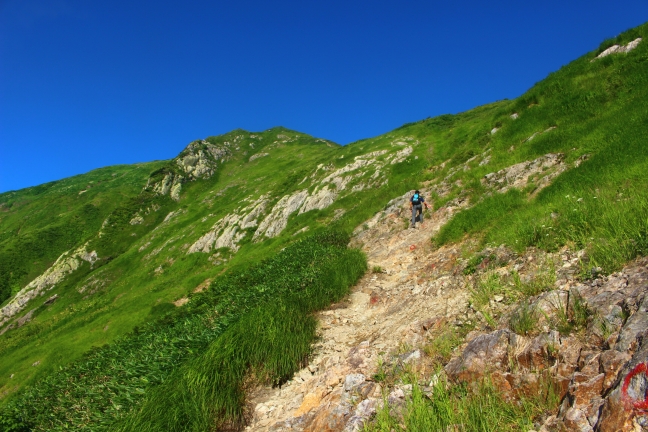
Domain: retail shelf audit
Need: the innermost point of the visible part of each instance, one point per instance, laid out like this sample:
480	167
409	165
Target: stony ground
413	291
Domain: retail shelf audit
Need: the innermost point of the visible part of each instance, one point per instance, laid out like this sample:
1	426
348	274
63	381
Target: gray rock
364	411
484	353
396	397
257	156
411	357
517	176
320	199
352	381
635	327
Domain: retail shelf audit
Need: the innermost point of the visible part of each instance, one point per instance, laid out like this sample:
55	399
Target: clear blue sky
85	84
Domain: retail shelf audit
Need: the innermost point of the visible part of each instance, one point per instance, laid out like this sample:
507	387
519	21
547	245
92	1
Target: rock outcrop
228	231
541	170
199	159
619	49
67	263
277	220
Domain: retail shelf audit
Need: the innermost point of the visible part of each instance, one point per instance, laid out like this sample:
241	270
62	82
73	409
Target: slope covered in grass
583	127
37	224
253	323
599	109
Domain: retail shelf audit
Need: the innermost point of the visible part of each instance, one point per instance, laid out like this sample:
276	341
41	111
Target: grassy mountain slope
164	229
40	223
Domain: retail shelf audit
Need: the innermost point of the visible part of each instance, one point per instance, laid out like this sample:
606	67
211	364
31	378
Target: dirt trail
415	291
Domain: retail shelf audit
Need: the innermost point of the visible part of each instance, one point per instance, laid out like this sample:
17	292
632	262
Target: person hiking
416	204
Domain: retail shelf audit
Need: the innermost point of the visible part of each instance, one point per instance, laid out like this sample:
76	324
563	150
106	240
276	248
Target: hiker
416	204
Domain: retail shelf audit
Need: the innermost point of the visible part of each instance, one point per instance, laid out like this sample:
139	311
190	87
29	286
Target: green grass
104	386
524	319
38	224
599	109
479	408
485	288
573	316
442	345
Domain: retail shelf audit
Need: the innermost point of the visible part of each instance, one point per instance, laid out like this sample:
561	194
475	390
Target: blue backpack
416	200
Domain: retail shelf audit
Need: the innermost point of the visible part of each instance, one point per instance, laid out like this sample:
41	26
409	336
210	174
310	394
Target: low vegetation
252	324
445	407
600	205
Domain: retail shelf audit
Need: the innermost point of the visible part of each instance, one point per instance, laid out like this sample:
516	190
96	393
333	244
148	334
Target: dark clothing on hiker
417	202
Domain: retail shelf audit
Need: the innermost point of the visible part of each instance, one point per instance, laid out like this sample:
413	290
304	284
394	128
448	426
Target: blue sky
89	84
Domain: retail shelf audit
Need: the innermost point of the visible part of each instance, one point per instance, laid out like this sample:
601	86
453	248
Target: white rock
175	189
359	163
67	263
277	220
137	220
616	49
250	220
223	234
402	155
320	199
257	156
412	357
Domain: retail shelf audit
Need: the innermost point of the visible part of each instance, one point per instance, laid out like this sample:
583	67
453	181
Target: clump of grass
377	269
489	319
574	316
581	313
485	288
480	407
442	346
543	281
524	319
477	261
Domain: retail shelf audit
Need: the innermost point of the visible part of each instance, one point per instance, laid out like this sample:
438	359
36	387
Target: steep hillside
132	295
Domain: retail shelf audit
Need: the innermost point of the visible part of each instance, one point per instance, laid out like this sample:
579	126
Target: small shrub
377	269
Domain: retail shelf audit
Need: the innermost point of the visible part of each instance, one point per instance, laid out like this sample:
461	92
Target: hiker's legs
416	208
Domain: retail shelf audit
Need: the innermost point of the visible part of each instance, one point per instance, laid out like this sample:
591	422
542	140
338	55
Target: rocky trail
413	291
389	308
